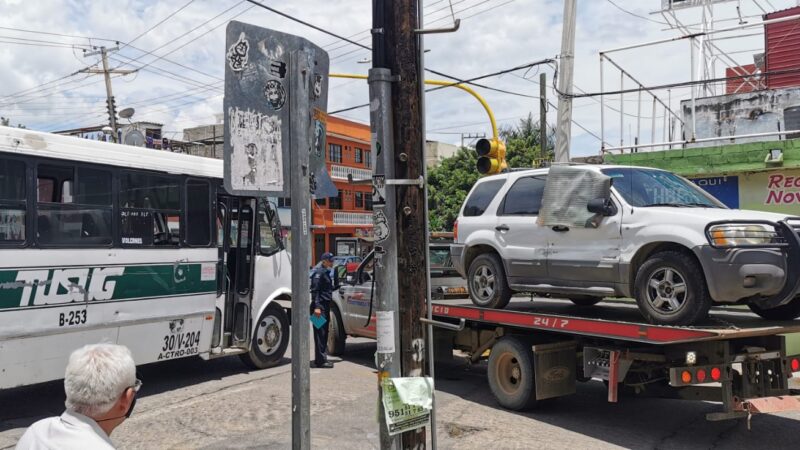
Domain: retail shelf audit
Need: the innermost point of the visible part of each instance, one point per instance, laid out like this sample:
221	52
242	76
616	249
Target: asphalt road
219	404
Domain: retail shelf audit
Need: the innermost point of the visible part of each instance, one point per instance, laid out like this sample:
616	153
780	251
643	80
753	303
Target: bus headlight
741	235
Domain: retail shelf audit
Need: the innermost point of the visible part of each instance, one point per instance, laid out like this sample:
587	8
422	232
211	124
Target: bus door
237	260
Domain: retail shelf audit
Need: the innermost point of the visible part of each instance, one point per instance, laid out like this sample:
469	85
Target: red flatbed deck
611	319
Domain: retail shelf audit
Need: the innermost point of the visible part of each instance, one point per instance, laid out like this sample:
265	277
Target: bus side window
198	213
12	201
70	214
150	212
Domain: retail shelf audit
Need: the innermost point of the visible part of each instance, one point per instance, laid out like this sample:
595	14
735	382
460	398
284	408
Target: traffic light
491	156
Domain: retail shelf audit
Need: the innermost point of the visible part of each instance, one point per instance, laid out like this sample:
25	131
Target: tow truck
540	349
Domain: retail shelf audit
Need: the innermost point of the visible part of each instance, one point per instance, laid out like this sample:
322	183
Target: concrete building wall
744	113
437	151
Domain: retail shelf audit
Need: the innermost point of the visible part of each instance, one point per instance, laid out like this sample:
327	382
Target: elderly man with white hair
101	385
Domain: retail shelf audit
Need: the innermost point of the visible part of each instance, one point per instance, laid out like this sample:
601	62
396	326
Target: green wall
718	160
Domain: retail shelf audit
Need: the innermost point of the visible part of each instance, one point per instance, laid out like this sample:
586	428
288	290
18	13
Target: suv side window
480	198
524	198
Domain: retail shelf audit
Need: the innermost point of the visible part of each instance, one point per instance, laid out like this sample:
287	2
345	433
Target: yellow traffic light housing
491	156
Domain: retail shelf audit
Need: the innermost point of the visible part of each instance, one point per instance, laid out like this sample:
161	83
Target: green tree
451	180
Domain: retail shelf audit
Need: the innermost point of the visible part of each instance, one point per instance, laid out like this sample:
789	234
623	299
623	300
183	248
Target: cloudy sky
177	48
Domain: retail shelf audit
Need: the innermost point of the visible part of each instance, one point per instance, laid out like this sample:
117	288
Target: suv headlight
741	235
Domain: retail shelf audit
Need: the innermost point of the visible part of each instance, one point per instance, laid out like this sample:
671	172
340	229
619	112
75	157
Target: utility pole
471	136
543	116
110	104
384	204
566	68
404	55
399	201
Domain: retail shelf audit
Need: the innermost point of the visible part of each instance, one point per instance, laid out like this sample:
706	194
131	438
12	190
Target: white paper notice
385	329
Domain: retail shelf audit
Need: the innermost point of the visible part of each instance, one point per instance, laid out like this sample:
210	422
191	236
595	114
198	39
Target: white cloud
501	35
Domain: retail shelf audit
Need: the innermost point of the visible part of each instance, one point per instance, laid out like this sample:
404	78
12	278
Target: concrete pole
602	108
543	116
112	119
565	75
301	143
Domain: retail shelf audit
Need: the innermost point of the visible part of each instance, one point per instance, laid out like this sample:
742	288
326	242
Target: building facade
348	217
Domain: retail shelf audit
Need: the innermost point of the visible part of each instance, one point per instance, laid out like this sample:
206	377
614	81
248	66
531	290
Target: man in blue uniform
322	286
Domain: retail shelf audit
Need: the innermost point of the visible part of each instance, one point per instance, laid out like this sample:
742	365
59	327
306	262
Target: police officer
322	286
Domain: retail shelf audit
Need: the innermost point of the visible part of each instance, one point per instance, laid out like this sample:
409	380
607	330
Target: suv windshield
644	187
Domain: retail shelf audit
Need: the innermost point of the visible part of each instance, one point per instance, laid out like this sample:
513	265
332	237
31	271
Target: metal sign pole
301	255
275	122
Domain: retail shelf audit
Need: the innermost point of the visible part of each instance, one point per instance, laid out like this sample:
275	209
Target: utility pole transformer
566	68
396	93
110	104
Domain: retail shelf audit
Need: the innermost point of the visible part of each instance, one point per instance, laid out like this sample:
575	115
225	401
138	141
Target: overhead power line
470	81
158	24
637	15
680	84
295	19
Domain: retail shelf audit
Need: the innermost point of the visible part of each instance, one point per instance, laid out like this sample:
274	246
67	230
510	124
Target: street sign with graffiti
260	117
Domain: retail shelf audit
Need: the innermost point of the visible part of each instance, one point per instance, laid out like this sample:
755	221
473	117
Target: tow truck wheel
336	334
789	311
585	300
486	282
270	339
670	289
511	377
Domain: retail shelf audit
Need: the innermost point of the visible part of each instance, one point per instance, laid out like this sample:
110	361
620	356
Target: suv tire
789	311
486	282
670	289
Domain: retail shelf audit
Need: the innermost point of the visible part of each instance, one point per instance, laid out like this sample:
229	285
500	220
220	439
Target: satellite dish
134	138
127	113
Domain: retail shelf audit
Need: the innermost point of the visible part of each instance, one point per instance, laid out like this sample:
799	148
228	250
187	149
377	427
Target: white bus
107	242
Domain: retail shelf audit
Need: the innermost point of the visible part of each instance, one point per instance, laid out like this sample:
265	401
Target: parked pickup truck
649	234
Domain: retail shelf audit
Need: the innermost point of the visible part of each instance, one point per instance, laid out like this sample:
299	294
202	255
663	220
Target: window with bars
359	199
334	153
367	159
336	202
359	156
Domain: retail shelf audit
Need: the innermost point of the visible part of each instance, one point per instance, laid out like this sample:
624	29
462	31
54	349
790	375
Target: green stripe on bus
38	287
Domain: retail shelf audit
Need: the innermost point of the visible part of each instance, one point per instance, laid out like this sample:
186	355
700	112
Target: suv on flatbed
654	236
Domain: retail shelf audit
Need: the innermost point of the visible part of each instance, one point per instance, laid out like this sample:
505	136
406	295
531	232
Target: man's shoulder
53	433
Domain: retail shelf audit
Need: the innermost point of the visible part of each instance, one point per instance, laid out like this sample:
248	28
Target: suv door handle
560	228
503	227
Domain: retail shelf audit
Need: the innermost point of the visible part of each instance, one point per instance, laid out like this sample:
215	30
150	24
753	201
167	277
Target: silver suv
653	236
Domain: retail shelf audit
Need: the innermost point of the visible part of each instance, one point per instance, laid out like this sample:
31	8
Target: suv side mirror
602	206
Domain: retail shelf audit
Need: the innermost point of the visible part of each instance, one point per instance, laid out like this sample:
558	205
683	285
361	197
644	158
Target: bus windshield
645	188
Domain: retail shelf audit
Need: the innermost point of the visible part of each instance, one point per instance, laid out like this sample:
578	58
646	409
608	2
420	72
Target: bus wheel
511	376
270	339
336	334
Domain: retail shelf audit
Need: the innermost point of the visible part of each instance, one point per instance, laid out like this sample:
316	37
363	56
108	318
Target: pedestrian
101	385
322	286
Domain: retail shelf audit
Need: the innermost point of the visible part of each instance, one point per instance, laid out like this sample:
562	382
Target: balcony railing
351	218
341	172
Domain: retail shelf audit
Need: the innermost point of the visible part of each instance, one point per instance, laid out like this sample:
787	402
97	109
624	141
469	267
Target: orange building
349	215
